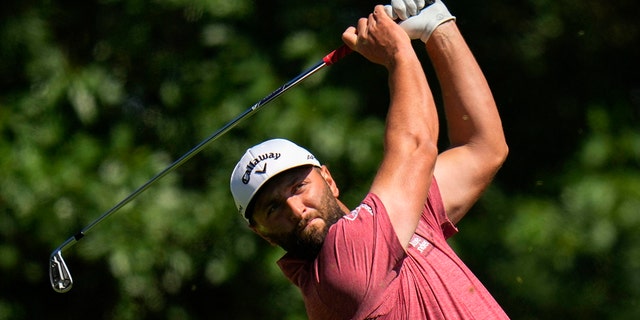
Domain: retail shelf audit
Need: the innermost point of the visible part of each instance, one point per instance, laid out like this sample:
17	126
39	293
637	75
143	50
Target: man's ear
326	175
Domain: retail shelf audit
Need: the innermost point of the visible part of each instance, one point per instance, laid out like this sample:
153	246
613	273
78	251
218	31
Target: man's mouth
310	222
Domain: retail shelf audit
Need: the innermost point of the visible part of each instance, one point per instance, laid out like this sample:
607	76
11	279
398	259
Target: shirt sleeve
434	216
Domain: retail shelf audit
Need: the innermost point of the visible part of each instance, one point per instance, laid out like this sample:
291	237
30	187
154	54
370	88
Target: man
388	258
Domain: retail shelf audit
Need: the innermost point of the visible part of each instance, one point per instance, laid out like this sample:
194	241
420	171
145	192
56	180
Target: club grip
336	55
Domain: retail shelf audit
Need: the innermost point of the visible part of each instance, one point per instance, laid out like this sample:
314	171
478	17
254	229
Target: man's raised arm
411	133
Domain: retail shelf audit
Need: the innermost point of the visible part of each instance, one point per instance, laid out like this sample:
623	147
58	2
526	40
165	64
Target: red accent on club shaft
336	55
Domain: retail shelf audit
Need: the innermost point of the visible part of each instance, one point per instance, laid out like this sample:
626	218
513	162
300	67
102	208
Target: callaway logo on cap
262	162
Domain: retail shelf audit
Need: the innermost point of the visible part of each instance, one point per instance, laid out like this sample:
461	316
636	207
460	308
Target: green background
96	97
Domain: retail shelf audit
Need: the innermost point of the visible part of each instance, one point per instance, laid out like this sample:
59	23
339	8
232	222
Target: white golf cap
261	163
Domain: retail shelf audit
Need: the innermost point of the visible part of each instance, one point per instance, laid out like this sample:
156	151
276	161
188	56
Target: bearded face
306	239
296	209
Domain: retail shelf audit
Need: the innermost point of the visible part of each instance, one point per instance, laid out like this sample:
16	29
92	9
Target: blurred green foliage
96	97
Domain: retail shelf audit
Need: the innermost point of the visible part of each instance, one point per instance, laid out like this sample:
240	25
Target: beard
306	240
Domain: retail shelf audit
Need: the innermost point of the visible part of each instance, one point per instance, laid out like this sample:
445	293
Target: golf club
59	275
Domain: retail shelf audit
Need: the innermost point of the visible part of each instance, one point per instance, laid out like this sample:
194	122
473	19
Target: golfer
388	258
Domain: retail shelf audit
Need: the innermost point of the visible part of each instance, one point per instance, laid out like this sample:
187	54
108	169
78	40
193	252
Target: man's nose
296	206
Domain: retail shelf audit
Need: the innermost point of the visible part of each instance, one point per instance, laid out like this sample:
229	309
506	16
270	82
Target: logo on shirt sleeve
354	214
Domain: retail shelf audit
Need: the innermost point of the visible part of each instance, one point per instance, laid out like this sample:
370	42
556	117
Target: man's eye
272	208
299	186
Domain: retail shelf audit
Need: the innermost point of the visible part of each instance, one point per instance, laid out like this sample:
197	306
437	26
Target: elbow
492	153
413	145
428	153
501	151
430	149
424	140
425	146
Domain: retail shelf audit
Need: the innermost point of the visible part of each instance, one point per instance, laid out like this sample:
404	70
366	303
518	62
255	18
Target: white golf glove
422	25
404	9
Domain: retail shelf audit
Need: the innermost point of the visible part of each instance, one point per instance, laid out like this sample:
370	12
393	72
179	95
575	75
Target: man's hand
379	39
419	26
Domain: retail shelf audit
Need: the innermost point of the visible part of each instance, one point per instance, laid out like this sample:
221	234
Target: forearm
478	147
471	112
412	113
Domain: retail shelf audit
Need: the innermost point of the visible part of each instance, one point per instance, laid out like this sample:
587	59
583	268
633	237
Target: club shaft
329	59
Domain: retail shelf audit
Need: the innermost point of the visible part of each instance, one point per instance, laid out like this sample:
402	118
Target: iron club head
59	273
